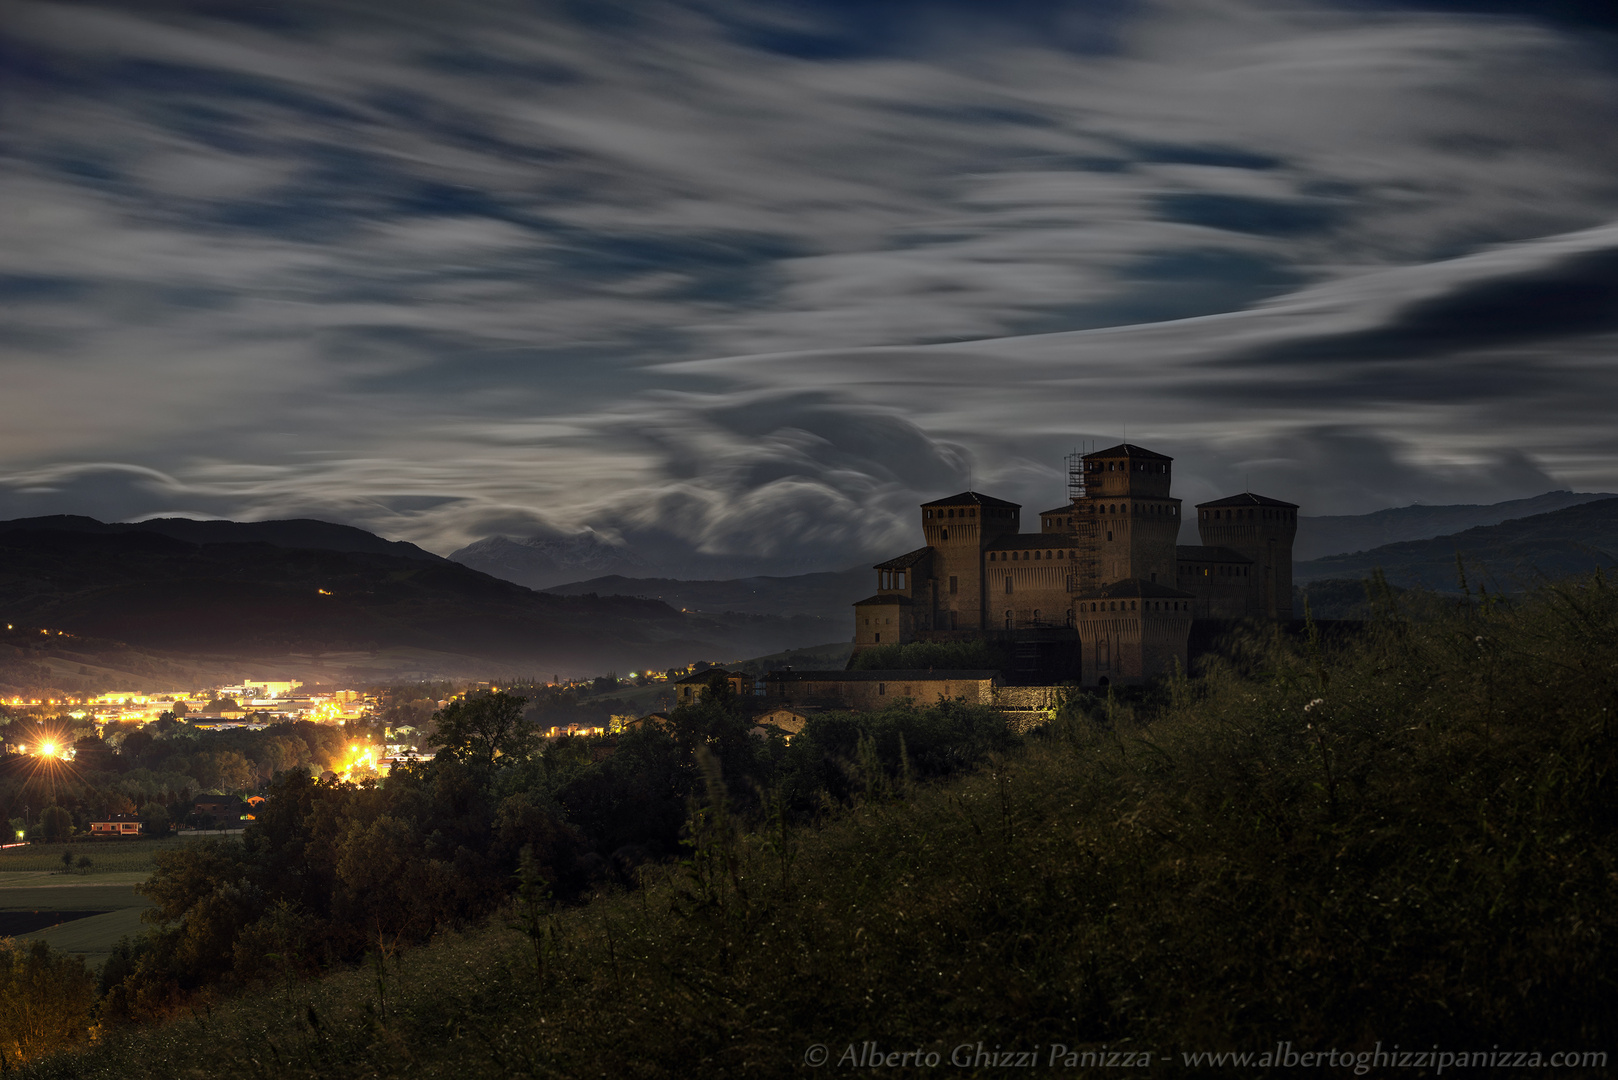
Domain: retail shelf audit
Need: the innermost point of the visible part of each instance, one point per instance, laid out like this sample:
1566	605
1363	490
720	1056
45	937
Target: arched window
1008	619
1036	615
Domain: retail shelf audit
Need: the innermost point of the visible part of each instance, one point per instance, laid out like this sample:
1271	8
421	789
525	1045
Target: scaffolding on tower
1085	573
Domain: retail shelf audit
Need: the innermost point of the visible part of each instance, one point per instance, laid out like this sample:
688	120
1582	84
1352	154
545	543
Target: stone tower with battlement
1103	580
1261	530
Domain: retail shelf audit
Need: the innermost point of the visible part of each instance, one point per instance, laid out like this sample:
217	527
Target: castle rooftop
1246	498
971	498
1129	450
905	561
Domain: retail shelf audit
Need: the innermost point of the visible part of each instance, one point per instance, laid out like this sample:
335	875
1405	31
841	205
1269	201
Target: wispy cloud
753	279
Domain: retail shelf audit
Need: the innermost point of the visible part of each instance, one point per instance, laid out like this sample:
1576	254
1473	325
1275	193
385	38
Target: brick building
1104	580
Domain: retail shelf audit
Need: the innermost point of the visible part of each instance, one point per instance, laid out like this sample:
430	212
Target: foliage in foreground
1409	840
46	1000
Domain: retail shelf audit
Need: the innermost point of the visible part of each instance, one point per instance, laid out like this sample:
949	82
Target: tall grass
1406	837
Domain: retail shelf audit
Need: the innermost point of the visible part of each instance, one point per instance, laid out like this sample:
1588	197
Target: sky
755	278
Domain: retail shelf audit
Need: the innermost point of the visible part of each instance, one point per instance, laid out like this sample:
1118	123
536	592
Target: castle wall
1263	530
883	620
877	689
1117	543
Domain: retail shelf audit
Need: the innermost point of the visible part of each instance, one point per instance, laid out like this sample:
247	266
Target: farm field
81	913
106	856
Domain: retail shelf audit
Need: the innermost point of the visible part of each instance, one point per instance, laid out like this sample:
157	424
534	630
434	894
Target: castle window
882	688
943	534
1132	605
1008	619
1036	554
954	584
878	638
899	580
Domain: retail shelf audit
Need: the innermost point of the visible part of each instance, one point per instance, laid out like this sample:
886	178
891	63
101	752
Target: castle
1103	592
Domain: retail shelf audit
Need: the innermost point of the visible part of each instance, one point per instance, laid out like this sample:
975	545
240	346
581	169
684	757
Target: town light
48	749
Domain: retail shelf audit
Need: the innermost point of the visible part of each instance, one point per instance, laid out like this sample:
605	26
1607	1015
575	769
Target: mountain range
824	595
1506	557
1332	535
257	589
1383	539
545	562
312	588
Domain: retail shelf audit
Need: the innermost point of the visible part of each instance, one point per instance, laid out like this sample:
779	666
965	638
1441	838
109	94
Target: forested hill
160	591
829	595
289	533
1506	556
1319	537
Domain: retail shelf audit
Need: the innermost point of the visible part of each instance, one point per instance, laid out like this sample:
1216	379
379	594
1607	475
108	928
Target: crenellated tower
1261	529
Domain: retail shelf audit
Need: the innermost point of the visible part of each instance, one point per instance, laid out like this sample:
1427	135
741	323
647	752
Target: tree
56	823
222	770
45	999
487	730
154	817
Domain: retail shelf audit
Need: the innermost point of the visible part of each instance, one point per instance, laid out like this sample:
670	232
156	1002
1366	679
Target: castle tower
958	529
1261	529
1135	520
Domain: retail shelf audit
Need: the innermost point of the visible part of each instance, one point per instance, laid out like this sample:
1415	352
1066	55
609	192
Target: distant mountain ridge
829	595
546	562
250	595
1336	535
541	562
1508	556
287	533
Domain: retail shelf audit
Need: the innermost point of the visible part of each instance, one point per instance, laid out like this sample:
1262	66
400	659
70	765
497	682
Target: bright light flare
48	749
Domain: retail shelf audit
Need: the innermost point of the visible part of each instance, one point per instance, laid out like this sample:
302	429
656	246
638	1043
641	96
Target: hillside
829	596
288	533
1407	841
1335	535
157	591
1506	557
543	562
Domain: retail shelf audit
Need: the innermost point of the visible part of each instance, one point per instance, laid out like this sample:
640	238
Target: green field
106	855
38	900
26	899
